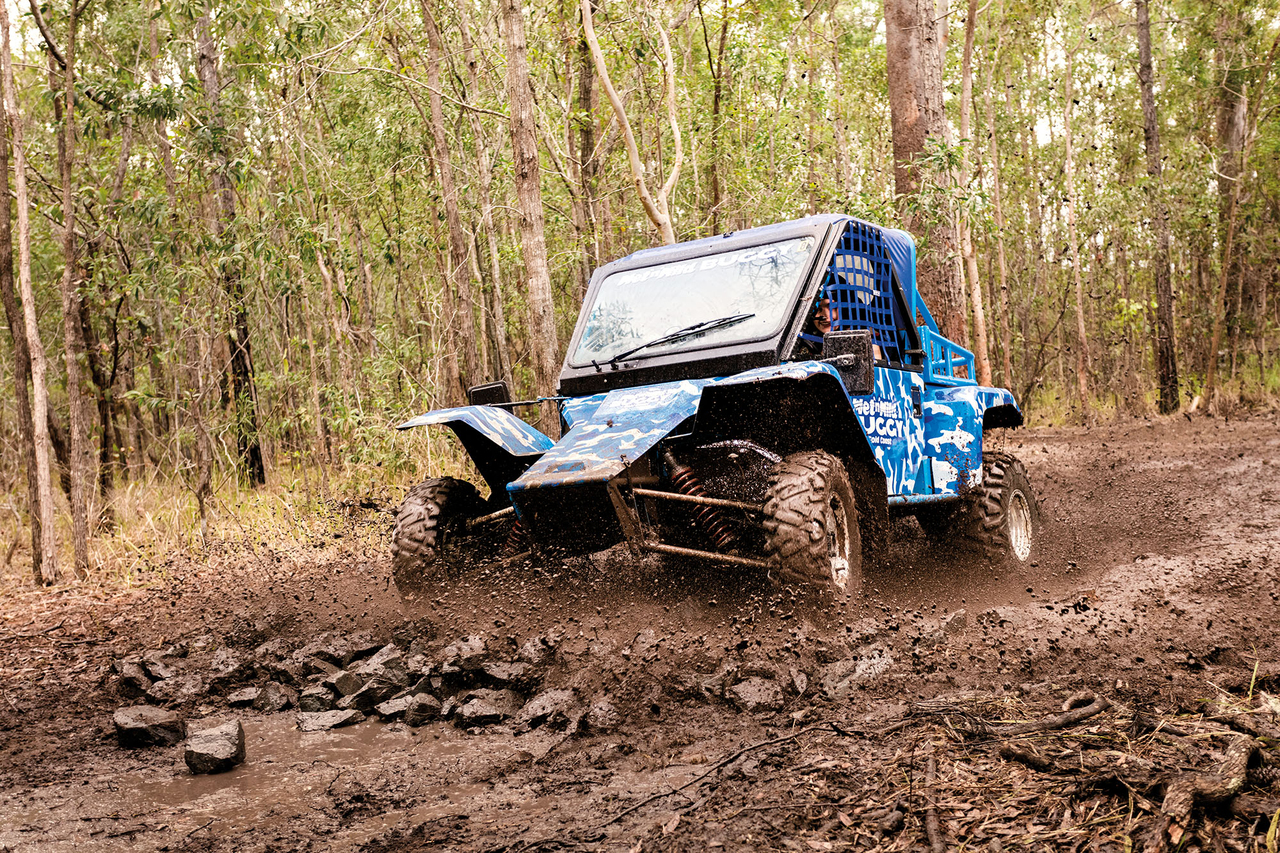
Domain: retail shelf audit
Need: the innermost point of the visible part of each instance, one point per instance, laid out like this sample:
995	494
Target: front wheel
811	522
430	538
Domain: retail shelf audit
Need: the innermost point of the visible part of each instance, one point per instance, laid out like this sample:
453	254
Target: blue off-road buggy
704	416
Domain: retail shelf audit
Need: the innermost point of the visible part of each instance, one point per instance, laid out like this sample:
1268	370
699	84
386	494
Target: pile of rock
212	750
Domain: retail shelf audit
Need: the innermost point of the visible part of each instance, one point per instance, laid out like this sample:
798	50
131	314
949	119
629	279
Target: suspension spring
517	539
709	518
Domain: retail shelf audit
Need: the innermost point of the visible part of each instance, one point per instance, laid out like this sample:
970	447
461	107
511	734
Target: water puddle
289	773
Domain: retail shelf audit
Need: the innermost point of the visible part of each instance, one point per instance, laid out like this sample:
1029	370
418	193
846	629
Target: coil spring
516	538
709	518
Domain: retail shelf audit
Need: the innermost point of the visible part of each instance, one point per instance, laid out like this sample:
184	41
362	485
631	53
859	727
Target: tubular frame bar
659	548
694	499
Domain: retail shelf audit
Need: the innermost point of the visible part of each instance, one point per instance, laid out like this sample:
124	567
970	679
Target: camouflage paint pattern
626	424
498	425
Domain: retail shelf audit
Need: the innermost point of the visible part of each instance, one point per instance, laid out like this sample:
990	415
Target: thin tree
1073	244
241	362
528	174
1166	349
21	352
45	568
1004	321
656	206
458	287
982	361
73	330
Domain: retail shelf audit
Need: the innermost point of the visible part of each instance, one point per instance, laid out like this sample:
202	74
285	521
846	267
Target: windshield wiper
687	331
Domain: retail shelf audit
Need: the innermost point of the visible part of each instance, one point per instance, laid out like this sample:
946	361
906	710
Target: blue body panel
930	456
498	425
617	432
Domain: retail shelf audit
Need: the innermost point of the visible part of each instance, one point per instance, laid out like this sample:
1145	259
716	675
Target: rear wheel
811	522
1000	516
430	539
1006	517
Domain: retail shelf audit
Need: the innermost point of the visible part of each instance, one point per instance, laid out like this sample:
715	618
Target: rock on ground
215	750
147	725
550	707
274	697
756	694
324	720
423	709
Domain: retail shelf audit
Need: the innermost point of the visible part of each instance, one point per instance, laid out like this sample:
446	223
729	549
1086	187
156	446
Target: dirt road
703	710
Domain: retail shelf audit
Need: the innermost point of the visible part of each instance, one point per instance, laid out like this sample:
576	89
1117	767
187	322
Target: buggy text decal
881	419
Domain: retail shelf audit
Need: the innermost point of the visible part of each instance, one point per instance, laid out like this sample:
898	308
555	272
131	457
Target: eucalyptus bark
74	354
45	567
997	203
1166	348
982	361
914	70
21	352
242	394
1073	250
528	179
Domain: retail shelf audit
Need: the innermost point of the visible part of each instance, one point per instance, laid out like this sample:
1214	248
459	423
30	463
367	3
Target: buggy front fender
501	445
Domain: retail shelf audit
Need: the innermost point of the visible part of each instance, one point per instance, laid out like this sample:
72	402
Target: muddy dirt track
696	710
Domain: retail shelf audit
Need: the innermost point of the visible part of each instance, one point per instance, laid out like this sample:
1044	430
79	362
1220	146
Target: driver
824	317
821	319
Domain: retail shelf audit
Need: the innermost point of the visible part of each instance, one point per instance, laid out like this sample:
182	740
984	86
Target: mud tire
811	523
428	540
1000	518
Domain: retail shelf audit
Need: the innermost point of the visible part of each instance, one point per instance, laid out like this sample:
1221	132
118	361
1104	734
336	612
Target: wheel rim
1019	525
837	543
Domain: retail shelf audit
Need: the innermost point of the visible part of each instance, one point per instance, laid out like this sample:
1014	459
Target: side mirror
489	394
851	353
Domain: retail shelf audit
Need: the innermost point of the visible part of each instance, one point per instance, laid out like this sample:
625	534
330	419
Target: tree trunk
459	273
717	101
241	367
914	69
74	353
1166	349
21	353
1073	247
982	361
655	204
486	207
1003	324
528	174
45	568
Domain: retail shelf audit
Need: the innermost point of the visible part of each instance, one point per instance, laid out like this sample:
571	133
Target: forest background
243	239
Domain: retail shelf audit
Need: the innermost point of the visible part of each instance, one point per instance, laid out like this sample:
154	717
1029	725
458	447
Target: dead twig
931	828
1061	721
1188	790
29	635
825	724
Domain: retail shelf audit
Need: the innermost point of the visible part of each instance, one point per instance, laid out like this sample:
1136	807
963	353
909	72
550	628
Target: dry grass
155	519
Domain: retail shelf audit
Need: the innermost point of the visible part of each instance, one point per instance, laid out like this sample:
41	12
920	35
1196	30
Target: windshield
641	306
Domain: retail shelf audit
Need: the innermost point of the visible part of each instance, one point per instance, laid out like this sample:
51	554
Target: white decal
937	408
957	436
944	473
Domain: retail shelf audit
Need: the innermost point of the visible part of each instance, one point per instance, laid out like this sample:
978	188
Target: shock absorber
517	539
709	518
